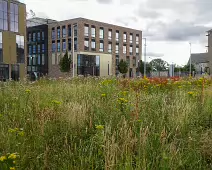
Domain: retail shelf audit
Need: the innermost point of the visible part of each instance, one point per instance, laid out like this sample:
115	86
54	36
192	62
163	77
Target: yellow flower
14	162
2	158
179	87
12	130
100	127
21	133
28	91
56	102
103	95
190	93
12	156
124	93
12	168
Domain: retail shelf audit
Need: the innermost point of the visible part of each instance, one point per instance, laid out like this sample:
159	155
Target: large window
38	48
42	34
53	33
137	50
13	17
117	35
117	48
43	59
69	44
131	50
137	39
124	49
34	49
109	34
93	31
86	30
38	36
88	65
34	37
53	47
43	48
39	59
101	46
109	47
93	45
3	15
101	33
1	49
30	49
58	46
75	30
117	60
69	30
131	38
64	45
75	44
86	44
20	49
58	32
29	37
64	31
125	37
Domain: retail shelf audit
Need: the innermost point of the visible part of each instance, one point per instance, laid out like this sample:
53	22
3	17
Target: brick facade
54	69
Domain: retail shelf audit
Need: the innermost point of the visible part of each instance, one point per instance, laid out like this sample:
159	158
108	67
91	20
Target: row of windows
36	36
101	47
65	32
14	15
34	49
56	46
36	60
101	34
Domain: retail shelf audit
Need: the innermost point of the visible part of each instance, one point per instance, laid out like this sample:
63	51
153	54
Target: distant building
12	40
98	47
200	62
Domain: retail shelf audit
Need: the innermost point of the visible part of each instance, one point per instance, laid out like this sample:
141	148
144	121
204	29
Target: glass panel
64	45
43	59
86	46
101	49
75	43
93	32
117	36
69	45
101	33
39	59
86	30
97	61
69	30
58	46
75	30
64	31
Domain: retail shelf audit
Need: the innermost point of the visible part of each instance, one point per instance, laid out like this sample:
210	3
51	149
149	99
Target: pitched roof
199	58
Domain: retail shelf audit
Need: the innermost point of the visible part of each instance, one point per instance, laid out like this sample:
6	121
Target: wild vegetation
92	123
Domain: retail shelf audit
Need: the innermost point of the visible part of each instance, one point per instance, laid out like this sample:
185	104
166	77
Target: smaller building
200	62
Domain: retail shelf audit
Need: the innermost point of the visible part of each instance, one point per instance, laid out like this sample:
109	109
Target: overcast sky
168	25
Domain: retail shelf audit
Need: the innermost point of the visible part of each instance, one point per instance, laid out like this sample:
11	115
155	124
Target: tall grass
87	124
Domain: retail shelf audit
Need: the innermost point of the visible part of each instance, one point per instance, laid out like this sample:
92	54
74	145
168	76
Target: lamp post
190	60
144	56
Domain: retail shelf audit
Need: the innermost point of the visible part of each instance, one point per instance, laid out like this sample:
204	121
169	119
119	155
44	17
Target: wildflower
12	130
21	133
28	91
122	100
3	158
139	120
12	168
124	93
56	102
179	87
12	156
191	93
99	127
14	162
103	95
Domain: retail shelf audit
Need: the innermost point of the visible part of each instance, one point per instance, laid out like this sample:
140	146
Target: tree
141	67
187	68
65	63
123	67
159	65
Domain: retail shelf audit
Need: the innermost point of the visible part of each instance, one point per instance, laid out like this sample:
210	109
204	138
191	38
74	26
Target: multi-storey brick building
98	47
12	39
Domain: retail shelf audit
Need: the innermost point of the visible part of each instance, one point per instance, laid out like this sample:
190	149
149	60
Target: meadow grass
105	124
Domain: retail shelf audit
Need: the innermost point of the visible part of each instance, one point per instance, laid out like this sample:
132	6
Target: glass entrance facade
4	72
88	65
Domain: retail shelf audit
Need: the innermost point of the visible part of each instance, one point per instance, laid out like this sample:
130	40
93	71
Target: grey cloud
155	55
175	31
125	21
104	1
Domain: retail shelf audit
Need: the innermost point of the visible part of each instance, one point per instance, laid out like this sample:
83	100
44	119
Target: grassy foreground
85	124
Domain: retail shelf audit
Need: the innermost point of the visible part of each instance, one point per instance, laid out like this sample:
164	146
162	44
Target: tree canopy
65	63
123	67
159	65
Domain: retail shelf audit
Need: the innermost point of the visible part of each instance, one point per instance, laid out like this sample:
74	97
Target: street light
190	58
144	56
